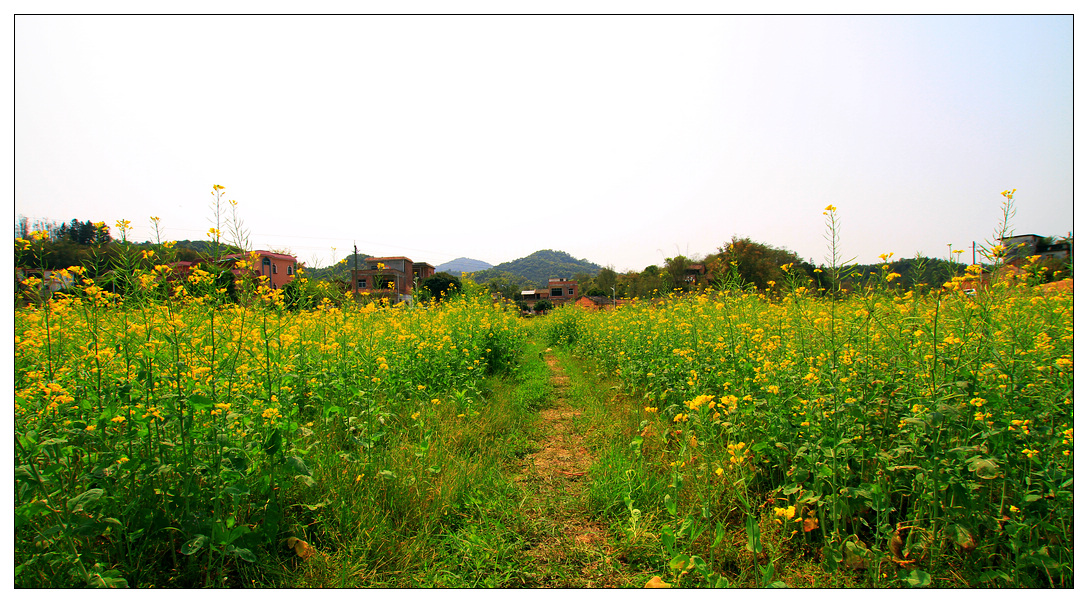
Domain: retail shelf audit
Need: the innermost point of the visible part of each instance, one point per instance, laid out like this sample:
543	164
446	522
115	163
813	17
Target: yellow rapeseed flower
787	513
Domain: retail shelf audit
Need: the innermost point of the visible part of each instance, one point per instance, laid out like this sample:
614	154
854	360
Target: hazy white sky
622	140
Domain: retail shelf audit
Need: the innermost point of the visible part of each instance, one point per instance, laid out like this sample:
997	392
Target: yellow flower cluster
785	514
736	453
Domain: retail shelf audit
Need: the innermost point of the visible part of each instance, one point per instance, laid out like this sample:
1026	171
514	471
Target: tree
505	285
441	284
543	305
676	272
754	263
606	280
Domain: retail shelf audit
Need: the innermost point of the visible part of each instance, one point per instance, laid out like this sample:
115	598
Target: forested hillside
538	267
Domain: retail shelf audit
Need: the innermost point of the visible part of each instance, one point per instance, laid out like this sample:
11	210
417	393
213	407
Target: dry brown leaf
301	547
656	582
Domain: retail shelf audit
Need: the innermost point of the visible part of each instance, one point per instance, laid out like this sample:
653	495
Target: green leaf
832	557
915	578
670	504
700	565
24	514
193	545
984	468
668	538
244	554
1042	561
199	402
332	410
963	537
992	574
298	465
76	503
273	443
679	562
23	473
719	533
751	525
793	489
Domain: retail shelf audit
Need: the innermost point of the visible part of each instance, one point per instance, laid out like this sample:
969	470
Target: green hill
536	268
340	271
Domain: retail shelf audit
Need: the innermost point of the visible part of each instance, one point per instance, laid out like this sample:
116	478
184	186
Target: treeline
61	251
745	264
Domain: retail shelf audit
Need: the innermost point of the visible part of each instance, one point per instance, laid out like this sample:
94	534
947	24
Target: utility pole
972	253
355	275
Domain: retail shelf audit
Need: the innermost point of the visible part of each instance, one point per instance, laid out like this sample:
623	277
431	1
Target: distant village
397	278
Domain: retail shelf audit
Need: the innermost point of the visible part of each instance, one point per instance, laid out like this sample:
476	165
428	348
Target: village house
599	302
390	276
696	274
280	268
1021	247
559	291
51	281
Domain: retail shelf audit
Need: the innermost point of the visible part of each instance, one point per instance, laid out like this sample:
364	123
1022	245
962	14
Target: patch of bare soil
573	551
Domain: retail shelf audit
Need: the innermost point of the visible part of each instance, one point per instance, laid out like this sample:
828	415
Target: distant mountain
538	267
456	267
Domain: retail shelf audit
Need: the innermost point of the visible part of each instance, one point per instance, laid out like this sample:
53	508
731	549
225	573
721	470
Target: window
290	269
570	290
361	284
557	292
274	271
265	262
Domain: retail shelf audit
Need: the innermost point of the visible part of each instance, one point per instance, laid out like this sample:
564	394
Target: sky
623	140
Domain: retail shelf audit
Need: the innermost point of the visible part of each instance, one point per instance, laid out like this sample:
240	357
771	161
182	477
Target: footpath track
573	551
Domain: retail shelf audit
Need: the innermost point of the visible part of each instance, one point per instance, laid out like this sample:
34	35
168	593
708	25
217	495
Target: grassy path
572	549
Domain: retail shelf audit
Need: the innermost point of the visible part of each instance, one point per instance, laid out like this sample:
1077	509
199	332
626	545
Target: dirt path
573	550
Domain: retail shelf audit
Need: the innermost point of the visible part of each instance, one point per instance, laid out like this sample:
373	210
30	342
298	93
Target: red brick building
280	268
558	291
599	303
393	275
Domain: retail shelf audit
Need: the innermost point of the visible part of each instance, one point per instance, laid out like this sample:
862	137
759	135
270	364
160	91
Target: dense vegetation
173	437
782	424
903	435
